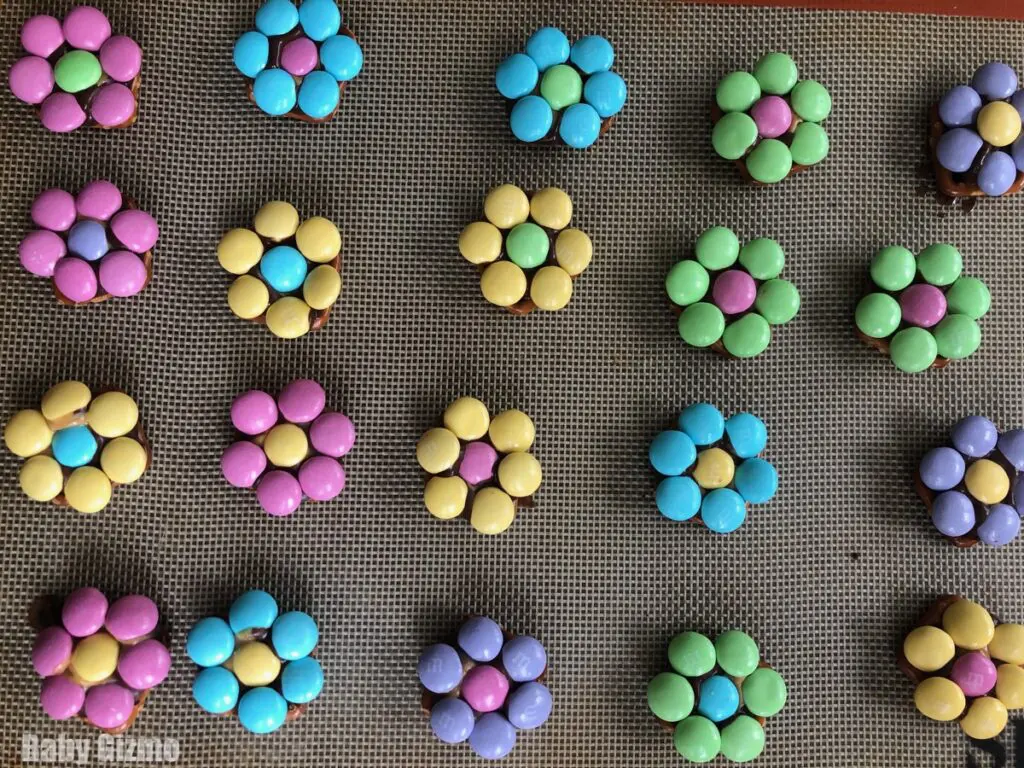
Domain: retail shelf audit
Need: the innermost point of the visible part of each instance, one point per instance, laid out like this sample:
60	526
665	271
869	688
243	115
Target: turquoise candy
747	434
283	267
210	642
262	710
255	609
756	480
252	51
548	46
591	54
302	680
74	446
671	453
719	698
580	126
516	76
531	118
319	18
703	423
277	17
723	510
678	498
215	689
342	57
274	91
318	94
294	635
605	92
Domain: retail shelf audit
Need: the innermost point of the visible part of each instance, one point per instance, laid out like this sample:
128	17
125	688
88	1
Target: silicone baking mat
826	577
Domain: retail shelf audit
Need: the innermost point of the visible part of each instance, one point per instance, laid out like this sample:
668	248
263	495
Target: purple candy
122	273
136	230
54	209
1017	494
959	106
734	291
121	58
51	651
452	720
957	148
1017	153
109	705
242	464
112	105
279	493
31	79
1018	102
131	617
529	706
61	113
144	665
61	698
86	27
995	80
524	658
40	251
84	611
332	434
88	239
301	401
1001	526
493	736
953	513
41	35
1011	445
481	638
974	436
322	478
75	279
922	305
997	174
299	57
772	115
254	412
942	469
478	463
98	200
439	668
974	673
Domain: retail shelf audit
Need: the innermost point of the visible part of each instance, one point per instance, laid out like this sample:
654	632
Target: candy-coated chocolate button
580	126
112	414
262	710
756	481
74	446
573	251
87	490
480	243
445	497
84	611
286	445
276	220
109	706
529	706
737	92
678	498
210	642
31	79
516	76
524	658
769	162
717	248
777	301
747	434
986	717
61	698
322	287
691	654
41	35
764	692
144	665
776	73
913	350
41	478
215	690
697	739
987	482
64	399
251	53
519	474
742	739
512	430
493	737
928	648
561	86
715	469
1010	686
969	296
294	635
606	93
288	317
527	245
551	208
319	18
131	617
809	145
302	401
439	668
703	423
95	658
437	450
969	624
999	123
274	92
687	282
255	664
481	638
276	17
957	337
302	680
503	283
670	697
51	651
77	70
123	460
451	719
811	100
701	324
467	418
719	699
531	118
254	609
672	452
477	465
551	288
548	46
737	653
940	264
506	206
239	251
493	511
877	315
747	337
1007	643
27	433
734	135
342	56
283	268
893	268
248	297
318	240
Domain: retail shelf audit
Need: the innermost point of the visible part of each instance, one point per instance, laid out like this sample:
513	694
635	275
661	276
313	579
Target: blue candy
294	635
516	76
74	446
481	638
719	700
1001	526
524	658
580	126
318	94
274	91
959	106
723	510
747	434
319	18
215	689
678	498
493	736
252	51
254	609
529	706
548	46
953	513
439	668
531	118
302	680
672	452
277	17
756	480
605	92
703	423
210	642
262	710
997	174
957	148
452	720
995	80
88	239
284	268
342	57
591	54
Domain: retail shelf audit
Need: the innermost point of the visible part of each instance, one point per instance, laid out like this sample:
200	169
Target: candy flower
288	272
485	687
299	59
93	245
922	311
99	661
257	664
717	697
77	447
729	297
562	92
77	72
769	122
527	254
966	666
288	449
974	489
481	464
710	467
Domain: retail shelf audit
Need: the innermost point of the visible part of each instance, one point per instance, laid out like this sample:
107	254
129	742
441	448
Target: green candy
742	739
809	145
561	86
691	654
957	337
717	248
697	739
763	258
747	337
77	70
776	73
940	264
878	315
811	100
769	162
737	652
913	350
893	268
737	92
764	692
733	135
527	245
687	282
670	697
969	296
778	301
701	324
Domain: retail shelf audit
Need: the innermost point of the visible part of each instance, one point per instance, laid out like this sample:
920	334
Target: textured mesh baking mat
826	577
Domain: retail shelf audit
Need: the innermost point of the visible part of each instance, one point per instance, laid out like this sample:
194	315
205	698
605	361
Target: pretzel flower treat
485	687
717	697
527	254
258	665
77	447
483	462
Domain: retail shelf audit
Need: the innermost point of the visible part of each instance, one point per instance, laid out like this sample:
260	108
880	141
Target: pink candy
31	79
772	115
322	478
131	617
40	251
112	105
61	113
975	674
478	463
301	401
734	291
109	705
484	688
145	665
332	434
86	27
51	651
61	698
279	493
98	200
299	56
923	305
122	273
42	35
54	209
84	611
121	58
242	464
254	412
75	279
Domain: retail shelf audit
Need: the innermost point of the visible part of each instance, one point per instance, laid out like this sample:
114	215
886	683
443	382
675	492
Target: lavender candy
942	469
953	514
974	436
1001	526
959	106
1011	445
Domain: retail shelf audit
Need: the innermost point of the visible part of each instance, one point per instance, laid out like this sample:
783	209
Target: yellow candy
322	287
714	469
480	243
929	648
87	490
1010	686
248	297
519	474
493	511
288	317
986	718
318	240
438	450
65	399
551	288
239	251
41	478
468	418
445	497
286	445
968	624
95	658
276	220
255	664
112	414
123	460
573	251
999	123
939	698
27	433
1007	643
506	206
503	283
987	481
511	431
551	208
